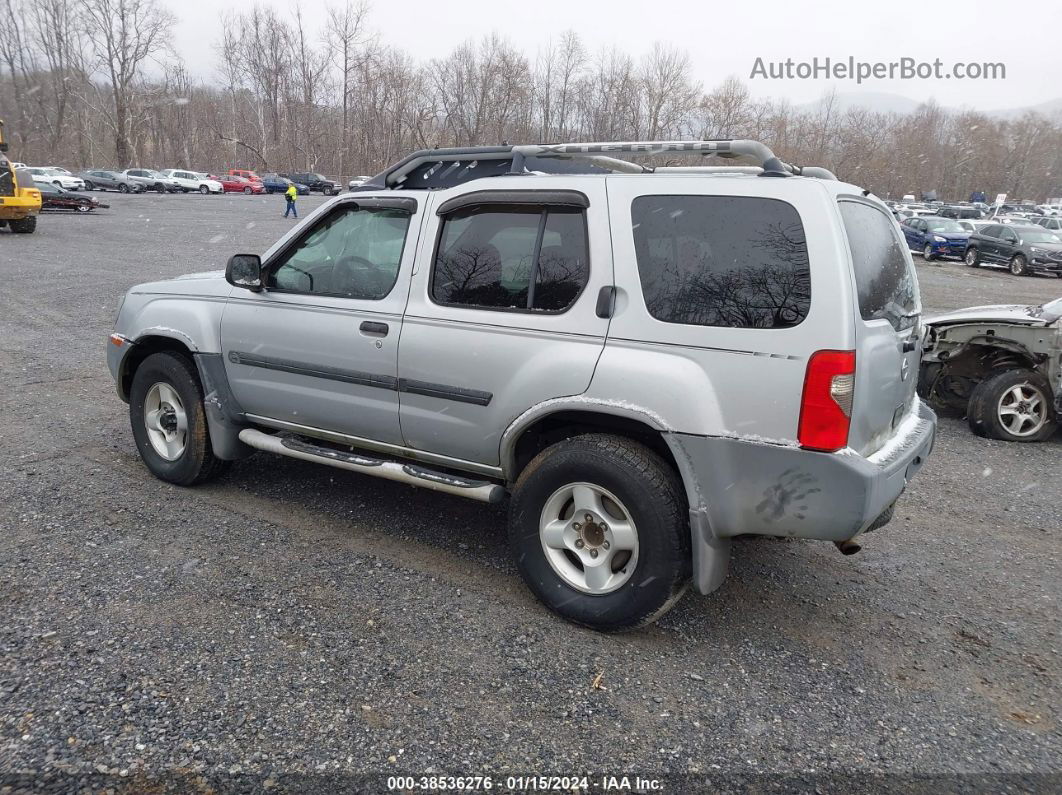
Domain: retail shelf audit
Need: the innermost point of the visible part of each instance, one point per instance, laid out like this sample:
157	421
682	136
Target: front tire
23	226
1019	266
123	188
83	208
90	186
927	253
169	423
1014	406
599	528
972	258
248	191
204	189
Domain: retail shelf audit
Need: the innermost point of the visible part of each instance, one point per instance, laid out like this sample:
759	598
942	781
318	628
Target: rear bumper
744	487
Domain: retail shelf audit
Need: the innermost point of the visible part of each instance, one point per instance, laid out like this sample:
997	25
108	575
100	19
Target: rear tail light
826	407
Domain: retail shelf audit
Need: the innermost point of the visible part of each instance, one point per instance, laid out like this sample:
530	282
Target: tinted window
487	258
991	231
722	261
884	280
352	253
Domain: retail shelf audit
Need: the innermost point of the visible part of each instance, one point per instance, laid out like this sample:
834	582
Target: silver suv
644	362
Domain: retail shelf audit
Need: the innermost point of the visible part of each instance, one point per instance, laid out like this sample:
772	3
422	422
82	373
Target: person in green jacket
290	195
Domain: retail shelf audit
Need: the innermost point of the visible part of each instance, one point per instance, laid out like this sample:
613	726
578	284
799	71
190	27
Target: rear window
884	279
732	261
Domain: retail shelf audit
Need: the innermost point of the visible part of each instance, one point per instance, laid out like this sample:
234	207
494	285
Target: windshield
1040	236
944	226
1051	311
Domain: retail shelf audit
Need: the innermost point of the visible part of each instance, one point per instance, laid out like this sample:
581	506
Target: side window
884	280
352	253
515	258
1009	236
991	230
730	261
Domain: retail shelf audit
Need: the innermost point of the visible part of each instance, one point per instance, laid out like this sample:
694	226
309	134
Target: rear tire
166	385
1013	406
23	226
972	258
1019	266
638	496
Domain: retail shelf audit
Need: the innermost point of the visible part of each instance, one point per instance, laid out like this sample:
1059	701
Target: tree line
97	83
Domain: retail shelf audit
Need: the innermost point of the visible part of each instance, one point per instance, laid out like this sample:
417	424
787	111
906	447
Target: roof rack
442	168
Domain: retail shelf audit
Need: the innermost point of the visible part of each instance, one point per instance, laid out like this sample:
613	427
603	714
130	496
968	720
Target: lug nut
579	543
604	544
576	526
589	518
593	553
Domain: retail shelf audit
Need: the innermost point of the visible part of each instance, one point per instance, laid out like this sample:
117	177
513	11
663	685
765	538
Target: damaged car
1001	365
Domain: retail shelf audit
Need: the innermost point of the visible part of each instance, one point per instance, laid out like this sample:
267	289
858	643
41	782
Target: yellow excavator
20	201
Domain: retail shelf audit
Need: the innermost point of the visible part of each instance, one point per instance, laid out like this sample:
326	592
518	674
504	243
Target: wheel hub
592	531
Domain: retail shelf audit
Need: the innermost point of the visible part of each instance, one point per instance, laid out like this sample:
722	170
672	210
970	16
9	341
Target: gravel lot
292	627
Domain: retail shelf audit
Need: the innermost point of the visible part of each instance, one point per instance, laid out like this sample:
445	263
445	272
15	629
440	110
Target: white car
53	176
193	181
357	181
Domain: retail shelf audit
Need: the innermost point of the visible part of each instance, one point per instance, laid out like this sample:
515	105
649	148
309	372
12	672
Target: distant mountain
883	102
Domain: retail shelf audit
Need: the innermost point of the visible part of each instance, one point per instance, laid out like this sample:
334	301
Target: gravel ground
293	627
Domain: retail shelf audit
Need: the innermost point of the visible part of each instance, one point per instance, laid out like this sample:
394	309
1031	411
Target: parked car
1000	365
554	329
152	180
247	174
231	184
1023	249
1051	223
973	226
98	179
191	181
314	182
957	212
49	176
933	236
53	198
274	183
357	182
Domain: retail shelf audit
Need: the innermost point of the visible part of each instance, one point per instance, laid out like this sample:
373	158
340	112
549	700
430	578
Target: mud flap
711	555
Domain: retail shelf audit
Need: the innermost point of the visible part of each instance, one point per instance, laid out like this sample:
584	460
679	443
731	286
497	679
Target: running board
298	447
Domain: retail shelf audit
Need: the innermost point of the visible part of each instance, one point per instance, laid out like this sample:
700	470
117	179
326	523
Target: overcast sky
952	30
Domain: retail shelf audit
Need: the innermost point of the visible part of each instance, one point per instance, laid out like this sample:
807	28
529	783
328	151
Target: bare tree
123	34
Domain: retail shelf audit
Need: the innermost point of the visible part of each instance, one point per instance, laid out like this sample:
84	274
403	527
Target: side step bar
298	447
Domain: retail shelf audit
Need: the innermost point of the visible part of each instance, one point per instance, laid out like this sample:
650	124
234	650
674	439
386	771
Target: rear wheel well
562	425
144	348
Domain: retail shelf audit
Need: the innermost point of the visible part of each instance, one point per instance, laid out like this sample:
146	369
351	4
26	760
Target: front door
318	347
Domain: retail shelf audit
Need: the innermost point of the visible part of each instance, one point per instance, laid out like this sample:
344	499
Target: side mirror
245	270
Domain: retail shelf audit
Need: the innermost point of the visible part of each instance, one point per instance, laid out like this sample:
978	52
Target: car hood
997	313
209	283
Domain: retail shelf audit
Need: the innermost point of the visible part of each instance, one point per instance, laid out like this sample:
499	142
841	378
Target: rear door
888	348
318	348
501	313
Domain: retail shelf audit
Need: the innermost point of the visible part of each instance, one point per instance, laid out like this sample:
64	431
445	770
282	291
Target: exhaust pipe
849	547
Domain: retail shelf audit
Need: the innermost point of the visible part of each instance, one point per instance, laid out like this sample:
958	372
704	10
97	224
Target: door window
518	259
351	253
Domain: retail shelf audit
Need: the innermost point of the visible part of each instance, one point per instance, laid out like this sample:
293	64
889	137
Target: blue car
274	183
933	236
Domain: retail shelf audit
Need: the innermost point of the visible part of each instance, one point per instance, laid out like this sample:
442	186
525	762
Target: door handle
910	345
374	329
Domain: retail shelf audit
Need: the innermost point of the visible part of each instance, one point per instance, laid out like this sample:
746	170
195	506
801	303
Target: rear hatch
888	324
